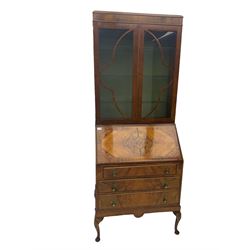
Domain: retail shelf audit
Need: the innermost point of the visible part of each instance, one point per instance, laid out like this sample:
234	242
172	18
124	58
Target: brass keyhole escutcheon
113	203
165	200
165	185
114	173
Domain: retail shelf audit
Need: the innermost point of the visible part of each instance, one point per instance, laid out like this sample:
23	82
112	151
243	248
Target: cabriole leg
97	221
178	218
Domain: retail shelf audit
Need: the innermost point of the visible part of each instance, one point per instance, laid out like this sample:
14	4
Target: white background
47	152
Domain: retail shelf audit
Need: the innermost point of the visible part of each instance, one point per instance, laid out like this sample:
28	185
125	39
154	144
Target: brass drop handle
165	200
114	173
166	172
114	188
165	185
113	203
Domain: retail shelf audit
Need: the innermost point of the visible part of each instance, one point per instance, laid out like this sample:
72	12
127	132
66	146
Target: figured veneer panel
139	171
141	184
129	143
125	17
143	199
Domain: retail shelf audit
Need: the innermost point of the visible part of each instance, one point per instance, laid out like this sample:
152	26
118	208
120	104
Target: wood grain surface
137	143
139	163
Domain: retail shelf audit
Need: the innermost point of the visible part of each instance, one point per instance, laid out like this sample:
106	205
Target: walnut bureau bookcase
138	157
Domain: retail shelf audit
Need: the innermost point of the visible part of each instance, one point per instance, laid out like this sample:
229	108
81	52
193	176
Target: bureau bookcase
138	156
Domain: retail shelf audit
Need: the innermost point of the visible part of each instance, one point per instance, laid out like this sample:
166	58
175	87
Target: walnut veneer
139	163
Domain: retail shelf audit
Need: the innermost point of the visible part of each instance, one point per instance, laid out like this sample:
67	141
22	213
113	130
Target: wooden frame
139	23
137	159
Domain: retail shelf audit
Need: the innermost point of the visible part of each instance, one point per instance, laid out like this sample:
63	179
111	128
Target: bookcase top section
137	143
137	18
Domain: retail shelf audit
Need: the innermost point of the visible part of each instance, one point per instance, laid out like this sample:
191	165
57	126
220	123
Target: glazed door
158	74
114	47
136	72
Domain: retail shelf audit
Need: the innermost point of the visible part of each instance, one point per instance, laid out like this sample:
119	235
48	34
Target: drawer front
139	171
135	200
139	184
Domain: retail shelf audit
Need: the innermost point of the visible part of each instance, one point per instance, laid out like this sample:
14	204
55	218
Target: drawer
139	171
139	184
139	199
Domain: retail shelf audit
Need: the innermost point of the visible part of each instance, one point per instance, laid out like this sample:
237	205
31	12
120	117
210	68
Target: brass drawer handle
113	203
166	172
165	185
164	200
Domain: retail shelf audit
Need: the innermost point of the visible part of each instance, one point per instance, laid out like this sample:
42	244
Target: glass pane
159	58
116	55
